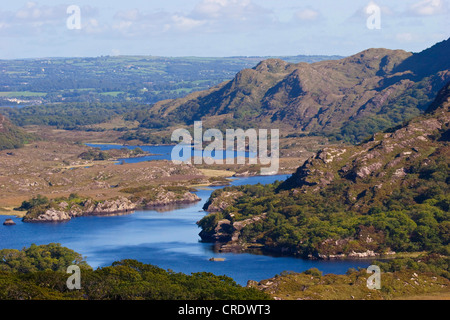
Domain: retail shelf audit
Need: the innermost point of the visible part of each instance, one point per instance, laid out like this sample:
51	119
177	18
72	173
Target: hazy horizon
217	28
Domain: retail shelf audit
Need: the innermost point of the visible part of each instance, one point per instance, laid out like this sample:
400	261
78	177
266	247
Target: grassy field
112	93
17	94
216	173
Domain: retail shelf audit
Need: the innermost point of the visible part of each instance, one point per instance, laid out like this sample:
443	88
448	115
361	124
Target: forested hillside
11	137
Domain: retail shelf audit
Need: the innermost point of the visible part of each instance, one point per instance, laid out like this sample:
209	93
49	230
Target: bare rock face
166	198
365	171
223	231
365	254
50	215
221	202
110	206
317	171
228	233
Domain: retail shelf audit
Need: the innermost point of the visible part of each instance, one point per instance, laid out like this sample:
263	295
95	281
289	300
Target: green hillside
11	137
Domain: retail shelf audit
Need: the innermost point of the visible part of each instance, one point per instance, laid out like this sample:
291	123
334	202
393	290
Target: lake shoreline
164	239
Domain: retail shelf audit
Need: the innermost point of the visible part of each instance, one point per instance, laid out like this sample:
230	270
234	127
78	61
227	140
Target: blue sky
38	28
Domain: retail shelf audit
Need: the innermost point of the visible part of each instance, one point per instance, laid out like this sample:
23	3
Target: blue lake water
168	239
164	152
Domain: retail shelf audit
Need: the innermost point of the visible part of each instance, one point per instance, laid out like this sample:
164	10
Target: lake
164	152
168	239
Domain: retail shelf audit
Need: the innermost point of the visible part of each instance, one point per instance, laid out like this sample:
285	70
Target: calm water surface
164	152
168	239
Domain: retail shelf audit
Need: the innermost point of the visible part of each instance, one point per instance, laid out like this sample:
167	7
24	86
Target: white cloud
229	12
115	52
405	37
212	8
185	23
130	15
92	26
428	8
31	11
34	19
207	16
362	12
230	9
136	23
307	15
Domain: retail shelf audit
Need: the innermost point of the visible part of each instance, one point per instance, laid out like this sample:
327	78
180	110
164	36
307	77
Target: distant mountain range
348	99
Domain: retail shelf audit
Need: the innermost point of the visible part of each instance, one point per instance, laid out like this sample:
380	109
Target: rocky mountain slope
387	194
347	98
384	160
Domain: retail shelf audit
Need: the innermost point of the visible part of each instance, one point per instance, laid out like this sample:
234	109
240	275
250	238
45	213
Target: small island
42	209
217	259
9	222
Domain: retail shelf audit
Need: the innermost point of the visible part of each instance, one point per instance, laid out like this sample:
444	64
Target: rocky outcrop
382	161
226	234
317	170
9	222
168	198
221	200
221	233
49	215
63	211
110	206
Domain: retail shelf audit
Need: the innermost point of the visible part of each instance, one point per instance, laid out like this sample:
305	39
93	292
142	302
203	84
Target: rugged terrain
347	99
387	194
402	282
58	164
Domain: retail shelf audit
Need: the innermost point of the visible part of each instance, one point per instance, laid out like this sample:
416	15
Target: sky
217	28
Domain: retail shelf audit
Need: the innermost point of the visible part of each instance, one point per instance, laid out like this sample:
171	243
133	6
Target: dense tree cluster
39	272
50	257
68	115
12	137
